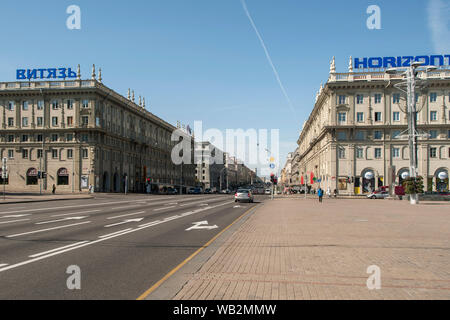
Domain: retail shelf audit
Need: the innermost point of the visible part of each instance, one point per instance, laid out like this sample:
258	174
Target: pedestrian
335	193
329	192
54	189
320	194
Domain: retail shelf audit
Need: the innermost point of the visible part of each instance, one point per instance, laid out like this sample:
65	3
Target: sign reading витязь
49	73
403	61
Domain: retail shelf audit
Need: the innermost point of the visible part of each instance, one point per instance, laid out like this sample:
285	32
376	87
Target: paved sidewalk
24	198
299	249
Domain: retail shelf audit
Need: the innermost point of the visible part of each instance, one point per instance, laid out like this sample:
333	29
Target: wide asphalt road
122	244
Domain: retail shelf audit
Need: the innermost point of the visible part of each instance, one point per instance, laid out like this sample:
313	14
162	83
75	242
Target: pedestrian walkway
300	249
24	198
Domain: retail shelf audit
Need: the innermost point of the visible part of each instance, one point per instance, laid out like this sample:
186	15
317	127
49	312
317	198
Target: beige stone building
353	139
82	133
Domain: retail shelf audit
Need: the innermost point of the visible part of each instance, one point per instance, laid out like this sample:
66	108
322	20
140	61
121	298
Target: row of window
26	154
342	99
54	137
55	104
359	153
378	116
378	134
55	121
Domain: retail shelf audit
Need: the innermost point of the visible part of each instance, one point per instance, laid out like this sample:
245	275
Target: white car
268	191
243	195
378	195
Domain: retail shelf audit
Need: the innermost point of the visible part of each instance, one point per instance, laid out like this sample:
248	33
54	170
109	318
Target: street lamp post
411	84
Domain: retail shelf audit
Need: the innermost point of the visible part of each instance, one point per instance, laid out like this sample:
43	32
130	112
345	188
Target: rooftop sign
49	73
404	61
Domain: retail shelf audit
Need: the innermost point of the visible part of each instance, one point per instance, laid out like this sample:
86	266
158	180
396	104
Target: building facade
210	170
82	134
355	138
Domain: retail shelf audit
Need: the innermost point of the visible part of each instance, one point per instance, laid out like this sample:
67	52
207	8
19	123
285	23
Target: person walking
329	192
335	193
54	189
320	194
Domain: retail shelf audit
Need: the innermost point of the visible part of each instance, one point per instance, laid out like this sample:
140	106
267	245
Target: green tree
413	185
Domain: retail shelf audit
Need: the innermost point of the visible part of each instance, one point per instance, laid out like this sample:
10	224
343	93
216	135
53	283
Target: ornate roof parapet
93	72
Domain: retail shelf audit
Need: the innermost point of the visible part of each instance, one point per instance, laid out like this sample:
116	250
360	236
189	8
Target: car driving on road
243	195
378	195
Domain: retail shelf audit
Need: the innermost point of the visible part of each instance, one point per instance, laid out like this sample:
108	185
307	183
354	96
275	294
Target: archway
116	182
105	182
62	177
441	176
402	175
32	177
368	180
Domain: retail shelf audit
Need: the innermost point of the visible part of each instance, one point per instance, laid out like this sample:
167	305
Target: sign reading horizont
405	61
50	73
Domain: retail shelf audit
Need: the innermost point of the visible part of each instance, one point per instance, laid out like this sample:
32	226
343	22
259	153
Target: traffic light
272	178
275	181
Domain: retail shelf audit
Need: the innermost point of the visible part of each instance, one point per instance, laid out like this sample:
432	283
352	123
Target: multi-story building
286	172
210	170
354	140
81	133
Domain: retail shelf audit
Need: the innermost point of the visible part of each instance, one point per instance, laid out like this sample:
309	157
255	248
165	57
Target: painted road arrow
59	220
201	225
125	221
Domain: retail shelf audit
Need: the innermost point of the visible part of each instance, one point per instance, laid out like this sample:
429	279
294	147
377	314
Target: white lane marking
73	213
238	206
3	265
126	215
127	207
165	208
43	230
2	269
114	233
154	223
12	221
16	216
57	249
65	207
171	203
203	205
123	222
171	218
201	225
60	220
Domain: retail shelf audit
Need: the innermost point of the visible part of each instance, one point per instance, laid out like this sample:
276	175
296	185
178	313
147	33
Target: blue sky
201	59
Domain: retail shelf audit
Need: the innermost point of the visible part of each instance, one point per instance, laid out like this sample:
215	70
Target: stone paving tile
300	249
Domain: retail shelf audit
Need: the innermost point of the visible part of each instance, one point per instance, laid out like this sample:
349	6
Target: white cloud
439	24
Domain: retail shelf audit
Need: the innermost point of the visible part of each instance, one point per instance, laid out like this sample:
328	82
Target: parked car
243	195
208	191
172	191
268	191
226	191
198	190
191	191
378	195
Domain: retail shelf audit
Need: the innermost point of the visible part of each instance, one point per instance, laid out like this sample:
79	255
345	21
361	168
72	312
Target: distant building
210	168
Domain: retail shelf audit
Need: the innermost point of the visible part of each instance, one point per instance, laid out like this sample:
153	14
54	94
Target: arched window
32	177
63	177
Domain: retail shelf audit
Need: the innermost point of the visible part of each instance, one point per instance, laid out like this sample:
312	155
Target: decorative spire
140	101
129	94
143	103
93	72
100	75
132	95
350	65
333	65
321	88
178	124
78	73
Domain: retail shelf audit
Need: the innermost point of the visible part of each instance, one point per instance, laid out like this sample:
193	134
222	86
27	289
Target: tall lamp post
409	86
